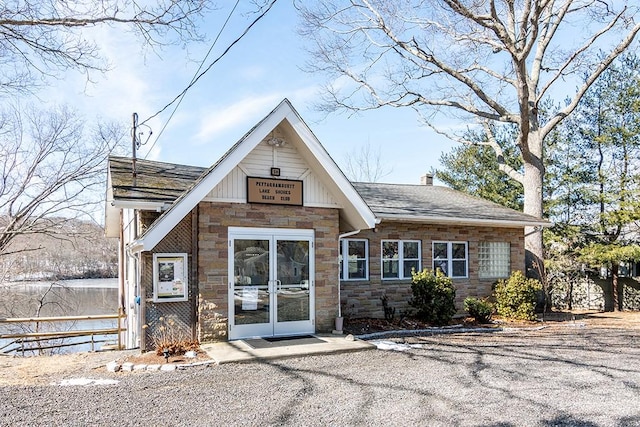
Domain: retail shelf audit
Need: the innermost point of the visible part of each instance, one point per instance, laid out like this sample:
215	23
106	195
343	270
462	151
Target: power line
183	94
197	76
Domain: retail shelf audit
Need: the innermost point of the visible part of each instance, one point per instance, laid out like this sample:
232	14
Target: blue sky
238	91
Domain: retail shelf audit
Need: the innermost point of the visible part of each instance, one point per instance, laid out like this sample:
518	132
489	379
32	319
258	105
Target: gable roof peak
354	209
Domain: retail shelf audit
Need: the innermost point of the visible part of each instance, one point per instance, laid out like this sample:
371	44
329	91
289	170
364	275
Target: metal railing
21	342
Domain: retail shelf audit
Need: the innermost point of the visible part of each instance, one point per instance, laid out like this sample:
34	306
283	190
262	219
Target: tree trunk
532	183
614	286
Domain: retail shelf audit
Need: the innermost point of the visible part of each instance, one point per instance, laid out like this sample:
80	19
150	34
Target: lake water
63	298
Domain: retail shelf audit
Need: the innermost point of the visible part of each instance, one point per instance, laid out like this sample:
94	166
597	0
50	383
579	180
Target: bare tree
365	164
488	62
41	39
52	172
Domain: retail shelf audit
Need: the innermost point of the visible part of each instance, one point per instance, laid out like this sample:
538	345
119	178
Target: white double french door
271	282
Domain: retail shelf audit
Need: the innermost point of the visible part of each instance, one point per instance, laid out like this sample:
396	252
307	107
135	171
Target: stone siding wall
363	298
214	220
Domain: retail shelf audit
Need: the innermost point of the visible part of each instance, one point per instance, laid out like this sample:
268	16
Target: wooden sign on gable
274	191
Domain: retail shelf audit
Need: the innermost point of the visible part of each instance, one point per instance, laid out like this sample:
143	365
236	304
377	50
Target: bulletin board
170	278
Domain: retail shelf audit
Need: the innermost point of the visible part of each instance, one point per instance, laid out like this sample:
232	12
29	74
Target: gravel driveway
557	376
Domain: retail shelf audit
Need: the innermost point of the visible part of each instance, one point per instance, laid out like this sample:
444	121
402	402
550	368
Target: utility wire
197	76
183	94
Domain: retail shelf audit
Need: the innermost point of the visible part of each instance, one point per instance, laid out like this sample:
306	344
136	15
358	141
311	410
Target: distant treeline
76	250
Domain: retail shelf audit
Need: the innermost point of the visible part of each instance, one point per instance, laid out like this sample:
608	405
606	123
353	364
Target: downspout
340	237
142	315
138	300
121	273
138	287
137	314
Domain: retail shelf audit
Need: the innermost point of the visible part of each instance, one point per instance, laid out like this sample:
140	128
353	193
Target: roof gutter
468	221
145	206
136	246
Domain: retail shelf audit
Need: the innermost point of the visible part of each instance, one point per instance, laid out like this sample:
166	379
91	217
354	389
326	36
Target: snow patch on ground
394	346
87	382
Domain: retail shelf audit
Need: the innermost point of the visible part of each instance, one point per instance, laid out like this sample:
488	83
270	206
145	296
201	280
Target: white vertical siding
259	163
232	188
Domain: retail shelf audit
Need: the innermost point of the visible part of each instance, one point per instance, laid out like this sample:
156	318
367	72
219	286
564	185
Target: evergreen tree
473	169
592	179
610	126
490	62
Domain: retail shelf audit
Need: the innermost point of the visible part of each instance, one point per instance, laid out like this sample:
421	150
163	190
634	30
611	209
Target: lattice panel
178	239
168	320
171	318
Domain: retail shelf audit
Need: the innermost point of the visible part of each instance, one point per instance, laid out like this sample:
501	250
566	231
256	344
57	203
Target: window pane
440	250
440	265
390	250
353	266
389	269
408	267
459	268
357	248
357	269
459	250
410	250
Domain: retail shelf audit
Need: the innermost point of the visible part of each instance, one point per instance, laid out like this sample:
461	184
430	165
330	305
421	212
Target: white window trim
344	245
451	259
400	258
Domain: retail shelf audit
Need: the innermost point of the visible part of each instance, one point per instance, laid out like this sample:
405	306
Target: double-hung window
494	260
399	258
451	258
354	259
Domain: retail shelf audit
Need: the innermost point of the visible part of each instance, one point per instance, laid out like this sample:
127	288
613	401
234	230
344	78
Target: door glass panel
292	284
251	281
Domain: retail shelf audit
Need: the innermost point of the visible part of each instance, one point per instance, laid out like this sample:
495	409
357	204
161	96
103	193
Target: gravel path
554	377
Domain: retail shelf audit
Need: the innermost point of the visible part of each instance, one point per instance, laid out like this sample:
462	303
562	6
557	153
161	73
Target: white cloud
244	112
304	96
129	86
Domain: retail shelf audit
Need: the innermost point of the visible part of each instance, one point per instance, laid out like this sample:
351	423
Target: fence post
120	315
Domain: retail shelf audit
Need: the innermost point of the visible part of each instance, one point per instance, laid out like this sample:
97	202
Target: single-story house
274	240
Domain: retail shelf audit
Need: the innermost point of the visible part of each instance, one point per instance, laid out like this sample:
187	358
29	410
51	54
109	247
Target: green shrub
433	297
516	296
479	309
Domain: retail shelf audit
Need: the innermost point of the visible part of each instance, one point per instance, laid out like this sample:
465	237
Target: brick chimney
426	179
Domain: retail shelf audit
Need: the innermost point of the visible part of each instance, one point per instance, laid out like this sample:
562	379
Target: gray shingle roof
432	203
154	181
165	182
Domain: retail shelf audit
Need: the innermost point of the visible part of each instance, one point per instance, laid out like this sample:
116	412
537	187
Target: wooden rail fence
20	339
